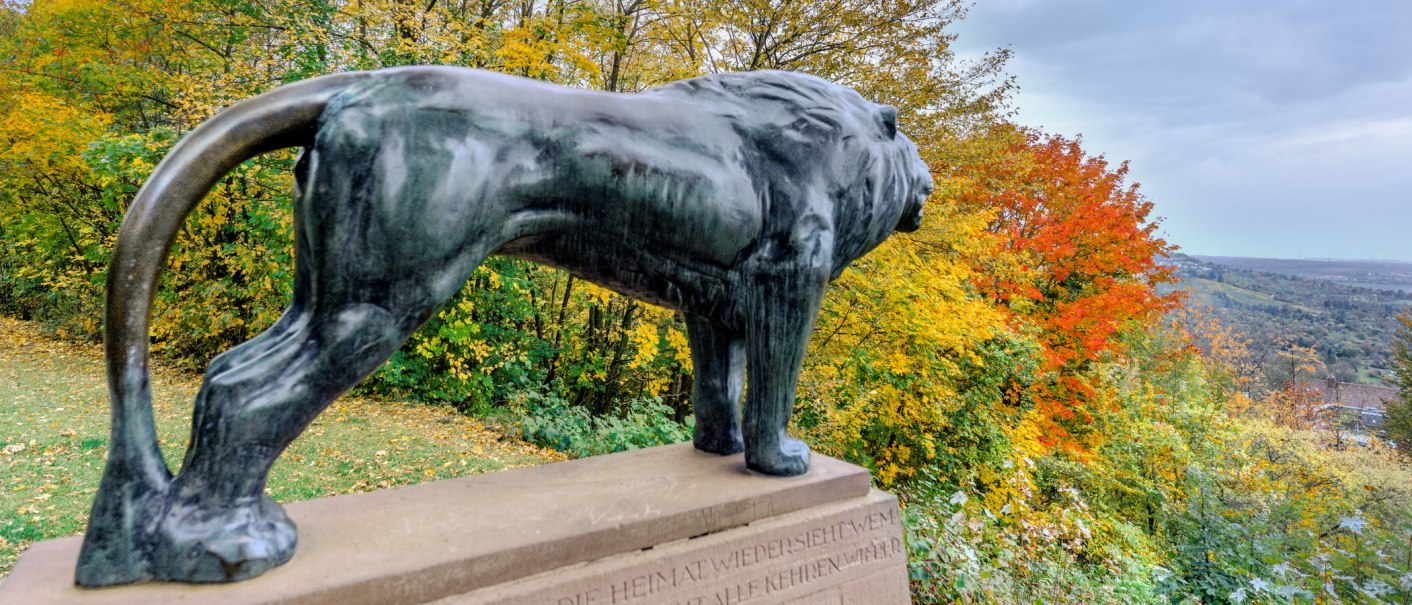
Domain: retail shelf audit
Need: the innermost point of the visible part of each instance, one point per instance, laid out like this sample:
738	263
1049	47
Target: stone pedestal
662	525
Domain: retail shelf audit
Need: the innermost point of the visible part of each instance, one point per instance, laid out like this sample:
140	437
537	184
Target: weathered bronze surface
733	198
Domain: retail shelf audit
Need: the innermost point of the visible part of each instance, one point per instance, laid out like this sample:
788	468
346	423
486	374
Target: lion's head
838	143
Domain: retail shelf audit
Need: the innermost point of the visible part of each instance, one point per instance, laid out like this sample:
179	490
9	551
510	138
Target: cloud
1260	127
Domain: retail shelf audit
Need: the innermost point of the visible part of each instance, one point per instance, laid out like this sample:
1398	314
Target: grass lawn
54	436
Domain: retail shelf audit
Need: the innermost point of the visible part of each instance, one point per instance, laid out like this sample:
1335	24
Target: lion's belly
648	216
640	194
659	275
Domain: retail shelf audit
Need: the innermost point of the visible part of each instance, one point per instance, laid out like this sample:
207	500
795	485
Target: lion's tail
131	494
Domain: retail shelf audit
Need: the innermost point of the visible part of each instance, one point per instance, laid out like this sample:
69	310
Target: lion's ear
888	115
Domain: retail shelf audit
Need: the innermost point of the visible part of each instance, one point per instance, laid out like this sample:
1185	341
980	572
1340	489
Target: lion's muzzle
911	219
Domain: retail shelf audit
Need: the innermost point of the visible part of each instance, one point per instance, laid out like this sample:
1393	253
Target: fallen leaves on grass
54	422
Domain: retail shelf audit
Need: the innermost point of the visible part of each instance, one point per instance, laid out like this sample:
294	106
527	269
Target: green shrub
551	422
961	552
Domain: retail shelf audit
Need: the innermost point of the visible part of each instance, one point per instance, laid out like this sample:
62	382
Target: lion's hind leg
718	362
359	294
220	526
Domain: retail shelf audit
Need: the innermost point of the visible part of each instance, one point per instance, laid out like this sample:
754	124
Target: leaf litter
54	422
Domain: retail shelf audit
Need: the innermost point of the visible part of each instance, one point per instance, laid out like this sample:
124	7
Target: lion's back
609	167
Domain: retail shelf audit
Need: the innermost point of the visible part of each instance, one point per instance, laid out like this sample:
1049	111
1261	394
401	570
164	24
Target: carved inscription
806	573
778	563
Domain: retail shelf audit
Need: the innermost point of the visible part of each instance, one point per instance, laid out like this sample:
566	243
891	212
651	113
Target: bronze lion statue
734	198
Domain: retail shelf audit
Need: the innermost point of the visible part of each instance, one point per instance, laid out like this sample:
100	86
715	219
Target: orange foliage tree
1077	256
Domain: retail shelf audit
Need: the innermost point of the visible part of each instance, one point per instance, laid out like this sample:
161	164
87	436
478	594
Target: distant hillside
1374	274
1345	310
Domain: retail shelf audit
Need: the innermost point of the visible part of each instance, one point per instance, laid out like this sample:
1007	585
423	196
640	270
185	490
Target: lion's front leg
718	368
780	314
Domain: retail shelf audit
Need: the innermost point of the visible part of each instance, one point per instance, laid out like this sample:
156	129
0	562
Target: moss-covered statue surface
733	198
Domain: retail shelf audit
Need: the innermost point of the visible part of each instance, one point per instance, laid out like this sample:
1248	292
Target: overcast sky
1274	128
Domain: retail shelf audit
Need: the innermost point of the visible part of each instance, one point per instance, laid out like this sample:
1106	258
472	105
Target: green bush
961	552
551	422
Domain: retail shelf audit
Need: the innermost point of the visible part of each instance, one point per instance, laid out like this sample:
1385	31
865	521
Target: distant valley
1344	310
1373	274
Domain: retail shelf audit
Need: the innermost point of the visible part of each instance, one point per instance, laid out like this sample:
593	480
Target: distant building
1367	405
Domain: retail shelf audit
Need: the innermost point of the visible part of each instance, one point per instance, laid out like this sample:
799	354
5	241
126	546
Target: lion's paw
787	459
228	545
724	443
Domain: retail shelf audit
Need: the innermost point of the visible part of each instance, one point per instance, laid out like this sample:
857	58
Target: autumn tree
908	371
69	82
100	91
1078	256
1397	424
1224	347
1289	399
